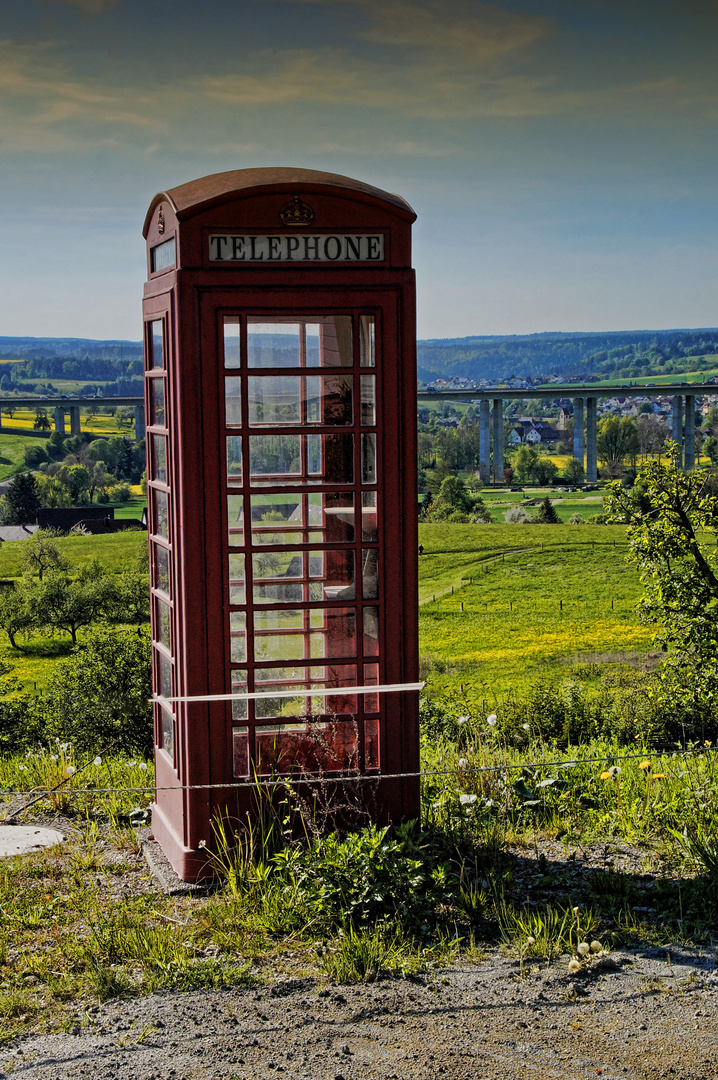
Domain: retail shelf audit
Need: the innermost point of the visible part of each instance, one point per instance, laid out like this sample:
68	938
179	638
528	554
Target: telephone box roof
198	195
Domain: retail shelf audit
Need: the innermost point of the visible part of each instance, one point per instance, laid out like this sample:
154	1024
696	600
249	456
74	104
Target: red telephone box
280	380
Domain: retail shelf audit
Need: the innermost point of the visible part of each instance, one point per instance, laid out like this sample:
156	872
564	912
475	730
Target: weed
365	955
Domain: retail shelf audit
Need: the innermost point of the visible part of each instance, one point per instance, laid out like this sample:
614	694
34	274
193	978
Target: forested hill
25	348
632	354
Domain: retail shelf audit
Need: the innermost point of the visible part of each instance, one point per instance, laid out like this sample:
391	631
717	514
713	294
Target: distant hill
28	365
631	354
23	348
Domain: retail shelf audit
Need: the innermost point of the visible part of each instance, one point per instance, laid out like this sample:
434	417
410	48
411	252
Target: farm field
526	600
23	421
586	503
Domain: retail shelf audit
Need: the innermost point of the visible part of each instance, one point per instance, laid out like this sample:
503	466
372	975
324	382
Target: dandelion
584	948
606	775
659	776
574	965
69	770
143	766
53	757
596	946
463	763
467	800
576	910
530	940
645	765
491	720
97	760
526	727
462	719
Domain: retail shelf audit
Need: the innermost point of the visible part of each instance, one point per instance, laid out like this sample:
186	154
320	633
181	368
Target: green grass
12	450
526	599
116	551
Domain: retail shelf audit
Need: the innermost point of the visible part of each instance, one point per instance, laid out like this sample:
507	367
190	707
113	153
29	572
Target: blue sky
561	155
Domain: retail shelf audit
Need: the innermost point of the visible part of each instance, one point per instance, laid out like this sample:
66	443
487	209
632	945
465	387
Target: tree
64	603
17	616
40	553
547	514
23	500
710	449
672	532
101	695
617	439
41	422
526	463
573	471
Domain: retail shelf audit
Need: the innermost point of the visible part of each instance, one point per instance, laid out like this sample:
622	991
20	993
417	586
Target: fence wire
288	780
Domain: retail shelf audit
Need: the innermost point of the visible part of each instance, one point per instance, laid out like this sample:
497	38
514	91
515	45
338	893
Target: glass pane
159	458
233	401
367	355
301	680
371	632
162	624
157	402
277	519
235	520
234	461
283	577
368	400
335	511
275	459
161	568
160	516
167	734
240	751
369	529
328	746
305	635
368	459
157	354
165	674
237	636
236	579
329	400
371	678
370	587
332	457
239	686
231	341
273	344
274	399
338	578
329	342
371	743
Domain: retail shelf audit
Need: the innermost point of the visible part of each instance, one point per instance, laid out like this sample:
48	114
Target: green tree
69	604
546	514
526	464
710	449
101	694
672	533
617	439
41	422
23	500
17	616
573	471
40	553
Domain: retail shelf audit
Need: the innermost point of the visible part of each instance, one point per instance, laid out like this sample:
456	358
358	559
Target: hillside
630	354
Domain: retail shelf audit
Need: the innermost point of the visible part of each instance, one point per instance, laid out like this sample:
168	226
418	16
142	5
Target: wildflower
659	776
143	766
576	910
202	844
462	719
64	746
606	775
526	727
467	800
53	757
69	770
97	760
530	940
645	765
463	763
596	946
584	948
574	965
491	720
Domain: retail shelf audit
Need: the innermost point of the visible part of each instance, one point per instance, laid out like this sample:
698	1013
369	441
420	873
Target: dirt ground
636	1015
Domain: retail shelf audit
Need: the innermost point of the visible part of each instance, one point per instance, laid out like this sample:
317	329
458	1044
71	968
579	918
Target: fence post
560	605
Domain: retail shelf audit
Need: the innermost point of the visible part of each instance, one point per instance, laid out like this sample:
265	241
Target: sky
561	155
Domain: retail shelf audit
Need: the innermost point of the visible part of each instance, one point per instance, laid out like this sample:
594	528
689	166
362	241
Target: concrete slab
21	839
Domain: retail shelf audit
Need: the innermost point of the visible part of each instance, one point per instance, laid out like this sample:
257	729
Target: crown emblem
160	222
296	212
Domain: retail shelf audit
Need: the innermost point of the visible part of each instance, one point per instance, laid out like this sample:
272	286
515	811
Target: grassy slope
512	625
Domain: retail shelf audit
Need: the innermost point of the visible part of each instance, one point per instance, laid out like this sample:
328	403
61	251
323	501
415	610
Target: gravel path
628	1015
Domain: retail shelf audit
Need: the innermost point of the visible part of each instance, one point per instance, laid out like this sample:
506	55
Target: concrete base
22	839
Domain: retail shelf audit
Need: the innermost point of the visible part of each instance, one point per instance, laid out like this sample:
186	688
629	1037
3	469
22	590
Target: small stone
345	1048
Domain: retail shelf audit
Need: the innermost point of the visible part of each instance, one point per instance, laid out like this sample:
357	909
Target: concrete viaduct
585	400
70	407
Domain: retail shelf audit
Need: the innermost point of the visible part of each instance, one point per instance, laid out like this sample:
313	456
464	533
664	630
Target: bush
34	456
120	493
101	695
517	515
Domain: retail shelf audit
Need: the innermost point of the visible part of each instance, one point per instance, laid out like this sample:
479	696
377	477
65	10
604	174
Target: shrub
517	515
101	695
576	519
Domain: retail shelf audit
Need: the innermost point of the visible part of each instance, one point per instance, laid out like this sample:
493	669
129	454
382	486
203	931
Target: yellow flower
607	775
645	765
659	776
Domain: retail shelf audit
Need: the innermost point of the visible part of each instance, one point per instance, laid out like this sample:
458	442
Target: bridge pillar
591	470
484	447
677	425
60	419
498	441
689	449
578	445
75	420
